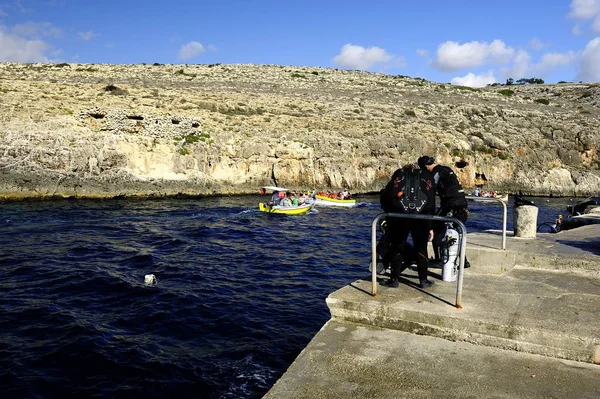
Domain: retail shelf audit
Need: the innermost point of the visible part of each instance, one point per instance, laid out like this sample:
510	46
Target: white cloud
452	56
358	57
537	44
18	49
191	50
522	65
586	10
516	64
473	80
396	62
521	62
596	24
519	67
590	59
422	52
554	60
35	30
89	35
56	55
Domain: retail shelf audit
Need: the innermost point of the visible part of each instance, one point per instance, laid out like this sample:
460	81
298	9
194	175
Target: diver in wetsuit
399	253
452	198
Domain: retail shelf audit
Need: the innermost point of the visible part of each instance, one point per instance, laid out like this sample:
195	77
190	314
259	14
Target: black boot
425	283
393	283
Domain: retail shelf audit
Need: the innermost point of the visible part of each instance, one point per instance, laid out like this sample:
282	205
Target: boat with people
284	201
503	197
326	201
343	199
490	194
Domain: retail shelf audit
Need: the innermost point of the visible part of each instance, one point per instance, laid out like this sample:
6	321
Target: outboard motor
580	208
519	201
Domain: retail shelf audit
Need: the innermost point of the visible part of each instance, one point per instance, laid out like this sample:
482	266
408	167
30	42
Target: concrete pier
529	328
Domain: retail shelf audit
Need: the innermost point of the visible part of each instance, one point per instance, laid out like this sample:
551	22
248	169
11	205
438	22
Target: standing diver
452	198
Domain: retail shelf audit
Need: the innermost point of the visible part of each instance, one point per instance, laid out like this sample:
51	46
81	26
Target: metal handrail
471	197
463	246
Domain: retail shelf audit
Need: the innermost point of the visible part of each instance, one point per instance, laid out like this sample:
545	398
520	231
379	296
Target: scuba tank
450	247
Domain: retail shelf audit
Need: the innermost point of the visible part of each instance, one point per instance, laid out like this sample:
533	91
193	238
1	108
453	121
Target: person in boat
452	199
302	199
286	200
345	194
476	192
294	199
274	198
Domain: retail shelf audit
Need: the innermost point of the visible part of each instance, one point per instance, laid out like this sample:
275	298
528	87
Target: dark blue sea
239	293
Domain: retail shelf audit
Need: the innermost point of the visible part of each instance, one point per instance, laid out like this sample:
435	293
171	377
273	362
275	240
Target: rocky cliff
89	130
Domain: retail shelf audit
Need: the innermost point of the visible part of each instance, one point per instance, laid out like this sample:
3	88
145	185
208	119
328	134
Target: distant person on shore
452	199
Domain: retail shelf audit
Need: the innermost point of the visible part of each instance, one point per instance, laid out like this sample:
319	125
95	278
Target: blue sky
465	42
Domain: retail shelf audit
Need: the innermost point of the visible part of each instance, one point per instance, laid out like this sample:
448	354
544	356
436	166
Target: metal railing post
504	213
463	246
374	255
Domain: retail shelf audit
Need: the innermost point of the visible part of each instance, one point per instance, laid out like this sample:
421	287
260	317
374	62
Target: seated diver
556	227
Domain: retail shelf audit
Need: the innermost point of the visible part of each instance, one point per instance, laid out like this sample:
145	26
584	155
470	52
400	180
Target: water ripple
239	293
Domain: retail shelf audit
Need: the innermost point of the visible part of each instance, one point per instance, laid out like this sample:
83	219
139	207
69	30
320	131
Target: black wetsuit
400	228
452	201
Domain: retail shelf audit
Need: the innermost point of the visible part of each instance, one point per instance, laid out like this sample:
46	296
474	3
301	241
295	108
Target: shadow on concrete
402	280
592	246
418	288
363	290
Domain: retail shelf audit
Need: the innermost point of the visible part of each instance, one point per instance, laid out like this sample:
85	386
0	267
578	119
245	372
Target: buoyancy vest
448	187
409	191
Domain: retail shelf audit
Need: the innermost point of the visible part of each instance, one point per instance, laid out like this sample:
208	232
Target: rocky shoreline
106	131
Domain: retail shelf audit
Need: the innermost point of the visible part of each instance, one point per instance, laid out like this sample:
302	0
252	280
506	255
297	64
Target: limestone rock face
74	130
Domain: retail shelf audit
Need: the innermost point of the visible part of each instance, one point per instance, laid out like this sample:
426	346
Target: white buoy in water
150	279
